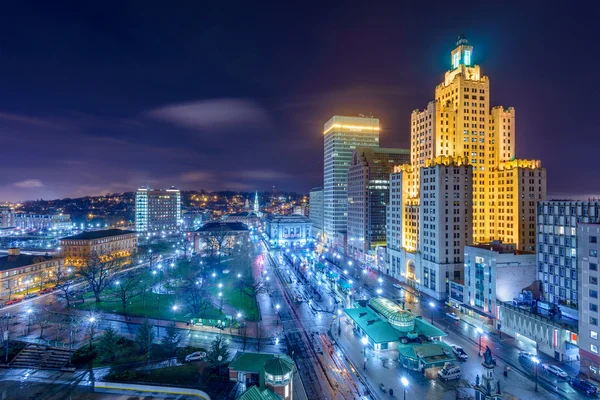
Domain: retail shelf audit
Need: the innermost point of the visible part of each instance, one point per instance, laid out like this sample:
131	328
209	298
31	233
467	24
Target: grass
188	375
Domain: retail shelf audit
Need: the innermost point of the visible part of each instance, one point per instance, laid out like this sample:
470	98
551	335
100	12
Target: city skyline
160	104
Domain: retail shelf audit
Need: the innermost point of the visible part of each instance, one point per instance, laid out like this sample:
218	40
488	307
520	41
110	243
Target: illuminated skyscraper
341	136
458	129
158	210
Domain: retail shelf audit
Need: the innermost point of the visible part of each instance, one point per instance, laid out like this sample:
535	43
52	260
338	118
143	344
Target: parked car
13	301
46	290
31	295
554	370
460	353
197	356
397	286
449	371
382	387
452	316
583	386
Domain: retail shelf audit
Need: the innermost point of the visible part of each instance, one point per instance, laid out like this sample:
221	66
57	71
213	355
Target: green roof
430	353
279	366
257	363
378	330
254	393
426	329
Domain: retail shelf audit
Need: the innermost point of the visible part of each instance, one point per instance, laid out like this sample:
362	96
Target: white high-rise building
158	211
342	135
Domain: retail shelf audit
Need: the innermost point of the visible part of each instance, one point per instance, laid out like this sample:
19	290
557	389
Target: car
13	301
460	353
397	286
526	355
197	356
31	295
554	370
452	316
583	386
46	290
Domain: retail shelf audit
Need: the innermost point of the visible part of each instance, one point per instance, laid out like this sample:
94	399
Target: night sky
234	95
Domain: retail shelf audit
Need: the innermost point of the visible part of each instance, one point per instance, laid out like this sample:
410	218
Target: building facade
495	272
20	272
315	212
427	242
7	217
368	195
250	219
221	238
36	222
460	125
107	244
588	235
341	136
158	211
288	230
556	248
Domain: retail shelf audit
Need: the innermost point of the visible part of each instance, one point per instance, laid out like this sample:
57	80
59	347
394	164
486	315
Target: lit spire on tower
256	202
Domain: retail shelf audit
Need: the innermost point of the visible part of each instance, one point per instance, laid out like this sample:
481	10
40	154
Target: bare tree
244	337
64	285
126	289
99	273
197	298
43	318
261	337
252	289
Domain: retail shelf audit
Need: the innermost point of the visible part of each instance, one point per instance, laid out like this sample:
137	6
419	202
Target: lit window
594	334
594	348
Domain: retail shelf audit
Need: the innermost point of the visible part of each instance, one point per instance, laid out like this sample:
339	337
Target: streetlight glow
364	340
404	381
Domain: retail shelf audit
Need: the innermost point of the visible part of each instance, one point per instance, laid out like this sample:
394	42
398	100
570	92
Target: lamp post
432	306
239	319
27	282
536	361
92	321
221	300
277	308
480	332
405	384
339	313
365	341
29	311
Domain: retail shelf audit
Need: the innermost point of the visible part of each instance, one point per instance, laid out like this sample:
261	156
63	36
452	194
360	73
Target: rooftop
21	260
254	393
287	218
90	235
279	366
220	226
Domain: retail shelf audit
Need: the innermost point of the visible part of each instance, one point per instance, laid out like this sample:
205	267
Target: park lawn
231	295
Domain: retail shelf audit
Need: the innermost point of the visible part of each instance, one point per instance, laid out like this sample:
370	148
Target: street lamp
432	306
536	361
405	384
379	291
339	313
480	332
29	311
92	321
27	282
364	341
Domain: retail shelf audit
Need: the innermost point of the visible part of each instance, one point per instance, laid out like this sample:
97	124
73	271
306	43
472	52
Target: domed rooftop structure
399	318
278	366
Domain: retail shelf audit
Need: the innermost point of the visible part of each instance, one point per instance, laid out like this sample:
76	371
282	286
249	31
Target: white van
449	372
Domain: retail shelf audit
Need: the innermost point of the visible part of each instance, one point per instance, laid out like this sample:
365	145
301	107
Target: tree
261	337
99	273
197	298
244	334
64	285
43	318
252	289
145	336
218	353
171	338
108	346
126	289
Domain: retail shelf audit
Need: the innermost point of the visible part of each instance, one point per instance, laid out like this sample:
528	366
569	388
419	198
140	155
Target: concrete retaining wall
148	388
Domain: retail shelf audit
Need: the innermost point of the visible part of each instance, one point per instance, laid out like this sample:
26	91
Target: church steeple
256	202
463	52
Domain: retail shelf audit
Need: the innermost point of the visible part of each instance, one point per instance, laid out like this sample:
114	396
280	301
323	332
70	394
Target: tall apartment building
342	135
7	217
315	211
556	249
55	222
457	128
588	235
368	195
158	211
